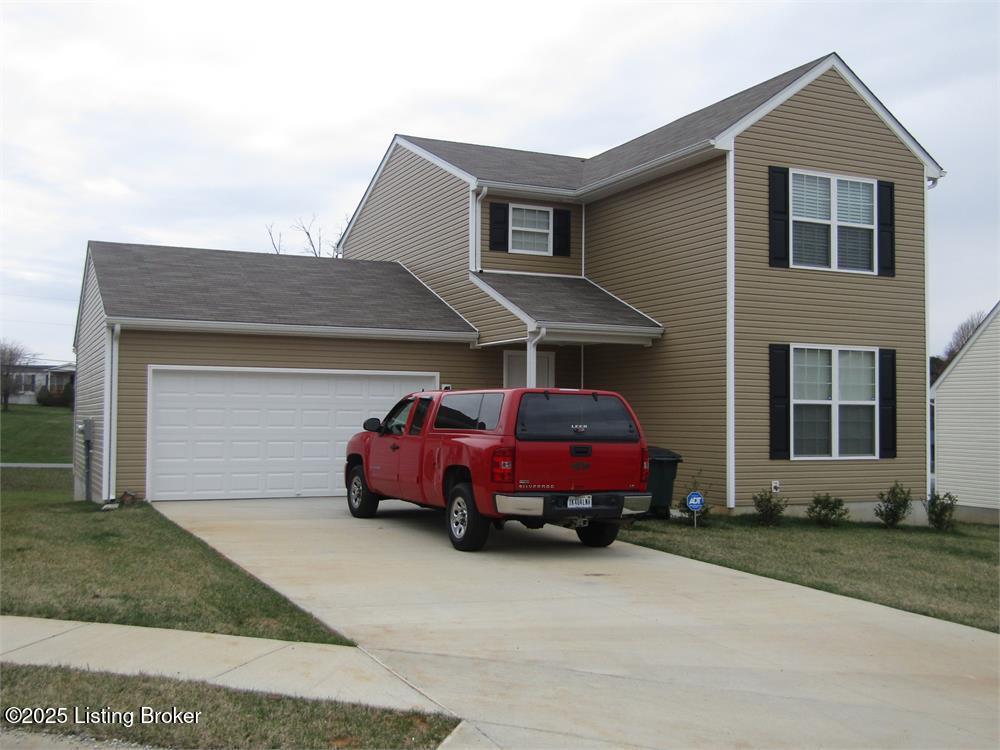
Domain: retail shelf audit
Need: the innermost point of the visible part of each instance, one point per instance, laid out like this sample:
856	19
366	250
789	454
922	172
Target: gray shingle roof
572	173
565	299
183	283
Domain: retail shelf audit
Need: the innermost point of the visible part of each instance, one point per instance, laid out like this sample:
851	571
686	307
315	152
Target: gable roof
550	300
711	127
969	343
310	295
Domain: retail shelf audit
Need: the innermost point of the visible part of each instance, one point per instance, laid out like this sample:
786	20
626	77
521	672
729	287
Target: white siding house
967	420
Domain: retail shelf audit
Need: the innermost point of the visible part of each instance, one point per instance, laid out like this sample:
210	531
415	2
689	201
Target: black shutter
560	231
886	229
886	403
781	412
499	216
777	200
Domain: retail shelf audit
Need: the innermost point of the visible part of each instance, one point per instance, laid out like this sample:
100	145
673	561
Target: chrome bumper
520	505
534	505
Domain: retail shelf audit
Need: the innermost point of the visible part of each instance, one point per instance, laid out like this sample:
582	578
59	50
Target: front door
383	460
409	477
515	369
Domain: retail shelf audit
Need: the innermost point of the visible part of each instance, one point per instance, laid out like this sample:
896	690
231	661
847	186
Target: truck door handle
394	447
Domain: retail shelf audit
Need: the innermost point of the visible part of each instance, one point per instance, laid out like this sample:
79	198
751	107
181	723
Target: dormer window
530	230
833	222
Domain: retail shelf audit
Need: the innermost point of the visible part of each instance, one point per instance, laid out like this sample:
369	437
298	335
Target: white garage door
244	433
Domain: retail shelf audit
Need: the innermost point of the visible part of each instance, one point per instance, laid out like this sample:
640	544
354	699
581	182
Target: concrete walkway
36	466
541	642
310	670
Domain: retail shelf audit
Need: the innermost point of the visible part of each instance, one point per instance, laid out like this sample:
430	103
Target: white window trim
834	402
509	354
832	222
511	228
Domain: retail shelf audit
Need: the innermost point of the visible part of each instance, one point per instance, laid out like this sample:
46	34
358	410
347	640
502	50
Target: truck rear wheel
361	501
598	534
467	529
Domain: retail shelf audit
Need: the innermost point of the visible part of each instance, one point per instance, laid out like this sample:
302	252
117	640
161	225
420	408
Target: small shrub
687	515
826	510
67	396
769	508
893	506
941	511
43	397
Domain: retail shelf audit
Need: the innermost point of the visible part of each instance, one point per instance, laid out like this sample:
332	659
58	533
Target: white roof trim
398	140
726	139
510	306
443	300
965	347
279	329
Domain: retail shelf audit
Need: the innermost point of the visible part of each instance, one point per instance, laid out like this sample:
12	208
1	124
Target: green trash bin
662	473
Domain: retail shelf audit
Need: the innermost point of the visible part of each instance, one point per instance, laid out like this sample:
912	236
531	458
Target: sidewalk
309	670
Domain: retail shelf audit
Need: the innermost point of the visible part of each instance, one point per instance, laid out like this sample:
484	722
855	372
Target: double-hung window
834	402
530	230
833	222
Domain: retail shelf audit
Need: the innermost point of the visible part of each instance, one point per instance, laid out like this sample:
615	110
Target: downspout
531	359
477	242
116	333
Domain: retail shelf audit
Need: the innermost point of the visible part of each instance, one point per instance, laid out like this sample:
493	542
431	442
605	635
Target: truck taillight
503	466
644	473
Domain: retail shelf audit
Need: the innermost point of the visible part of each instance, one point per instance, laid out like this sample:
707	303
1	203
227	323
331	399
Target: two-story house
751	277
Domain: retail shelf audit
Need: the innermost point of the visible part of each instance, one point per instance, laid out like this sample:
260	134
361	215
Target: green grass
69	560
952	576
36	434
229	718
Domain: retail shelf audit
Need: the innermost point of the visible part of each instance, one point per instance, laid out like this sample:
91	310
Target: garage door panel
250	433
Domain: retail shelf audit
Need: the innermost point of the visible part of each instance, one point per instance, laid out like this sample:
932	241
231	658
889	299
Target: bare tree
13	356
312	236
962	334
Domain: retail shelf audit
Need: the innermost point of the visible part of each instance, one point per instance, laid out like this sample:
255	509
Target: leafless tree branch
276	244
13	356
963	333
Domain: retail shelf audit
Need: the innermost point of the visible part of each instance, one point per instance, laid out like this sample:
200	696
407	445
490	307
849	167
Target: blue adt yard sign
695	501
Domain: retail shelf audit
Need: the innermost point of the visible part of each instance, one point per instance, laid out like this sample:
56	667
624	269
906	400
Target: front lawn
35	434
952	576
229	718
69	560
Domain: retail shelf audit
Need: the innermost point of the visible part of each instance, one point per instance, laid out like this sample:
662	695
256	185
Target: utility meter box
86	428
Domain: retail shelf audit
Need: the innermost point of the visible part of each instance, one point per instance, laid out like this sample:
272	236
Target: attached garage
242	375
232	432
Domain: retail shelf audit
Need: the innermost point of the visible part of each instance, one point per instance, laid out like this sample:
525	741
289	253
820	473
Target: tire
598	534
467	529
362	502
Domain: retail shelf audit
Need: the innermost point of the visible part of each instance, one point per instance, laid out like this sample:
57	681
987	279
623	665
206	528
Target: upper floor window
530	230
833	222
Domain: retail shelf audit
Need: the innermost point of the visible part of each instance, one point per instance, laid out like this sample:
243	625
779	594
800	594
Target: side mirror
373	424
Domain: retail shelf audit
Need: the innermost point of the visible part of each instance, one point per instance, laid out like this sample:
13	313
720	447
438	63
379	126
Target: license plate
579	501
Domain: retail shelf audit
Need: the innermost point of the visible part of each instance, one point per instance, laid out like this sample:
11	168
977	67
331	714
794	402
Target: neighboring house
750	277
966	403
30	379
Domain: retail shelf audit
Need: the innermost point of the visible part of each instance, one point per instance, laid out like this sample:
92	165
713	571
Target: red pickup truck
575	458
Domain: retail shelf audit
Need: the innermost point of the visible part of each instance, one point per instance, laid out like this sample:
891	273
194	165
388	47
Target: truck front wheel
467	529
598	534
362	502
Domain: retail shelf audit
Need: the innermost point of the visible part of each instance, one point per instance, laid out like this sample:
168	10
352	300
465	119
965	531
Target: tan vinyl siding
459	367
418	214
493	260
967	423
827	127
89	387
662	248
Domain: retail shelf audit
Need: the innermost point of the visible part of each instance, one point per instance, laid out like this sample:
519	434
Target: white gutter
531	359
276	329
113	428
477	241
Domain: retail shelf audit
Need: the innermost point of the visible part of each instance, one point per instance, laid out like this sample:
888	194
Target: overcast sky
200	124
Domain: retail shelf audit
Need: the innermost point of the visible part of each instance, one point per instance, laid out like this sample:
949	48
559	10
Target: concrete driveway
541	642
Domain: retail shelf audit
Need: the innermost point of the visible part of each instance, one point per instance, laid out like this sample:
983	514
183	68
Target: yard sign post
695	502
